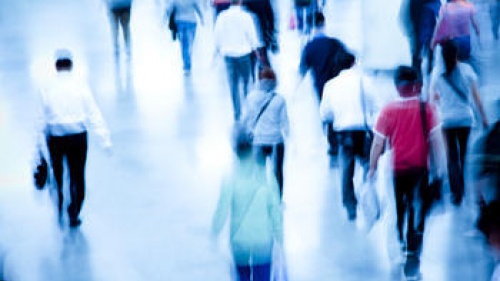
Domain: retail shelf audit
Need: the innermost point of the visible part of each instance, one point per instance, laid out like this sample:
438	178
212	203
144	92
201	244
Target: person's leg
186	35
77	156
462	139
56	151
244	272
233	85
125	23
113	18
261	272
279	155
245	68
332	137
454	169
400	186
347	168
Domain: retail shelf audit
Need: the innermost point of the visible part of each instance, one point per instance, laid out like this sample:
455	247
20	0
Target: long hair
450	56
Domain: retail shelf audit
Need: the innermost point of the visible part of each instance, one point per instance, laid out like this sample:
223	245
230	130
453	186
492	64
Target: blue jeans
186	31
239	69
260	272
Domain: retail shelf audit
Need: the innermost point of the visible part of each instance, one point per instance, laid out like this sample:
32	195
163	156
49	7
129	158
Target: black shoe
75	222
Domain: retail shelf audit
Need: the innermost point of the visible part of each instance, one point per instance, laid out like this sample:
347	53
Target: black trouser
332	137
352	146
276	151
456	140
409	188
74	149
121	16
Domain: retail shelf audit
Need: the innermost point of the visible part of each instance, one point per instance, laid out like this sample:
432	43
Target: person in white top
350	111
235	39
67	108
265	111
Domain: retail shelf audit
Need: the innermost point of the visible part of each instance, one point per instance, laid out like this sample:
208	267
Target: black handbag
41	172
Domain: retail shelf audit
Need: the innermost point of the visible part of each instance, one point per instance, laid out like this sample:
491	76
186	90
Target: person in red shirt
400	124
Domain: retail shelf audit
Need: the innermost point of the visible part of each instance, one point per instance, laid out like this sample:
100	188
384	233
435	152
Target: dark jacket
320	56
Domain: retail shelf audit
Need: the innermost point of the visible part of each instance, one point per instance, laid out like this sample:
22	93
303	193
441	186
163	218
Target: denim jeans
456	140
186	31
238	70
260	272
352	146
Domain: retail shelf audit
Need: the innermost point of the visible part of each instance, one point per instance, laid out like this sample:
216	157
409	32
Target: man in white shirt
345	105
67	108
236	38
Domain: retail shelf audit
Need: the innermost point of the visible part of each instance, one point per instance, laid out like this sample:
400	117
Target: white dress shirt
342	104
235	32
68	107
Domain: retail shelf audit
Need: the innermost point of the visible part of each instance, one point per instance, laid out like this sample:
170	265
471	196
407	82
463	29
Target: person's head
407	81
64	60
450	55
267	79
345	60
319	20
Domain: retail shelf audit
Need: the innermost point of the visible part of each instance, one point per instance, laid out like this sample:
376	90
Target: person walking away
401	124
320	57
185	17
250	198
420	18
236	38
266	112
455	92
349	109
67	110
455	18
119	13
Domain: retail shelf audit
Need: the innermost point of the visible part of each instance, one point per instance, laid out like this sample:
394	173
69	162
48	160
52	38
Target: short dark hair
319	19
267	73
64	64
406	74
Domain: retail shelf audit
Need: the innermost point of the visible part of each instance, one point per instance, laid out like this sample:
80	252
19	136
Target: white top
235	32
496	273
185	10
273	125
68	106
341	103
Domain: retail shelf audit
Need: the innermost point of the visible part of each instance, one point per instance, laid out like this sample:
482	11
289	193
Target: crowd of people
412	127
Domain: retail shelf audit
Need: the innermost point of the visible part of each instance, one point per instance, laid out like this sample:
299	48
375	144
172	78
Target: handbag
171	23
41	172
369	204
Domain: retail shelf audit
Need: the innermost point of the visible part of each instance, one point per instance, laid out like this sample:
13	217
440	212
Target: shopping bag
369	204
280	272
41	171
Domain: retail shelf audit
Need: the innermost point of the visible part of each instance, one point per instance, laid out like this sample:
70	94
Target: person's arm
479	104
375	152
95	118
437	151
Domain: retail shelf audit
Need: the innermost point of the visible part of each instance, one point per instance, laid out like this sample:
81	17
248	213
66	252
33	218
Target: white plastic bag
369	204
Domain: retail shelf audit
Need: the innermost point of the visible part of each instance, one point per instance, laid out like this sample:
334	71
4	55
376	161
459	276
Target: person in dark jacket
119	11
320	56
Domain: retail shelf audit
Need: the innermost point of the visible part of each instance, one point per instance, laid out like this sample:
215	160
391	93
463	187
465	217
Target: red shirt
401	123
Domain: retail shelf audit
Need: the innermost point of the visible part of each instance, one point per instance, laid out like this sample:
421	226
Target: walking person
68	109
456	94
455	18
412	129
236	39
119	13
266	113
250	198
185	16
349	109
320	57
304	10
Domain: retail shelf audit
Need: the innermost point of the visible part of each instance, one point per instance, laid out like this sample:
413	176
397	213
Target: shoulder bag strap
262	111
423	117
455	88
